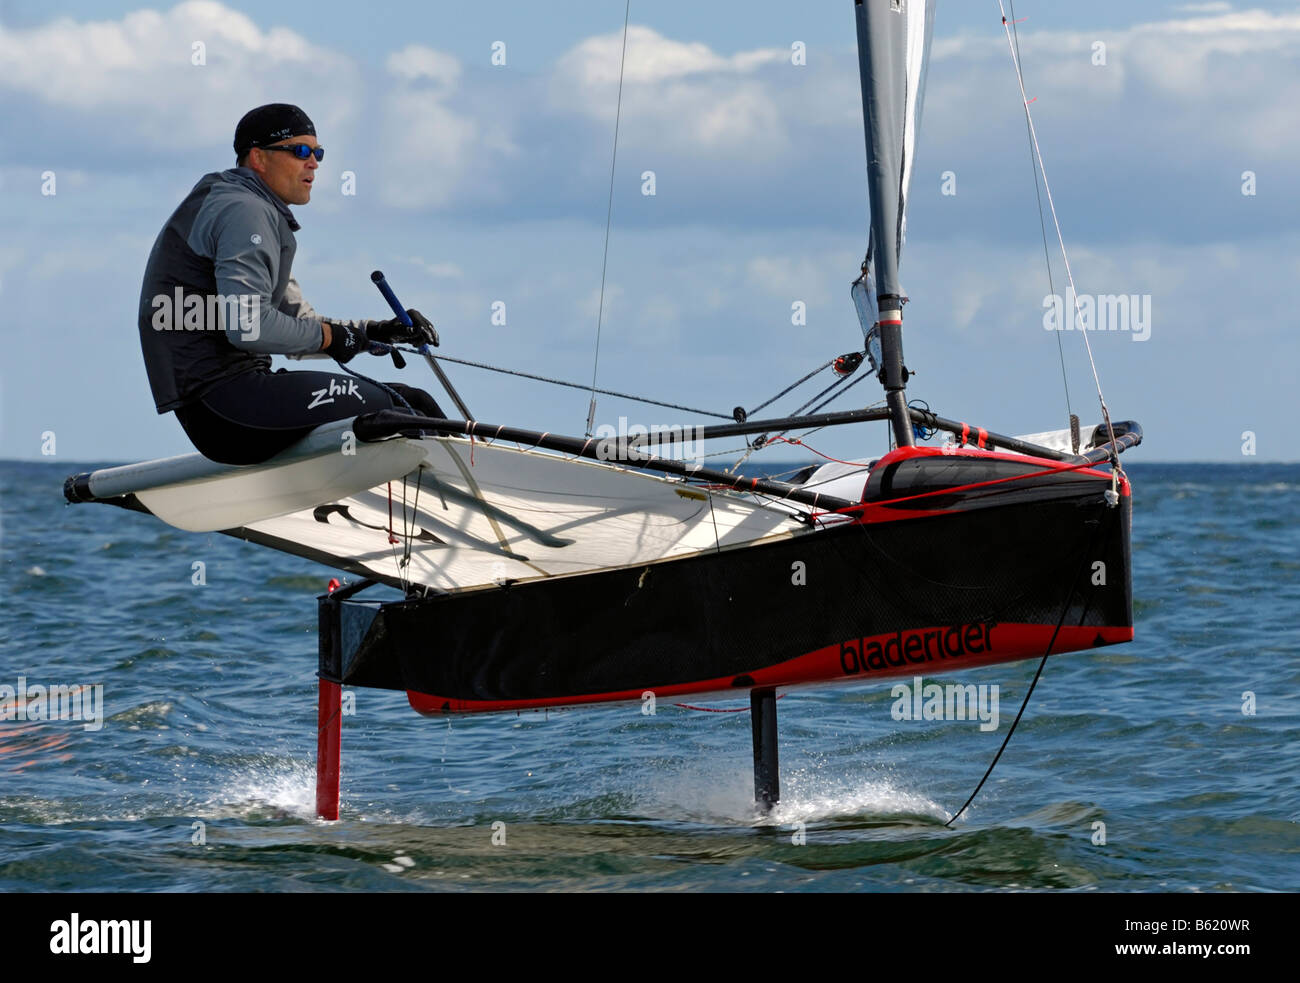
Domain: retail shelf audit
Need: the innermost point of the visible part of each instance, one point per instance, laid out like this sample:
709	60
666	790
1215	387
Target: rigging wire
836	395
571	385
1014	43
415	515
799	441
751	449
1042	224
833	386
645	399
1060	238
1034	682
394	542
835	392
609	215
793	385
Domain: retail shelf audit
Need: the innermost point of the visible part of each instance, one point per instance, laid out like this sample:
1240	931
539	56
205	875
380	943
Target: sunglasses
299	150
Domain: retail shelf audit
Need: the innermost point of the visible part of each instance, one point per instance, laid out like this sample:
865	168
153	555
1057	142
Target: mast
893	45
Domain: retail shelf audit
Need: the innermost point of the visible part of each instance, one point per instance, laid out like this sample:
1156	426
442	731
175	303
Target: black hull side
1016	558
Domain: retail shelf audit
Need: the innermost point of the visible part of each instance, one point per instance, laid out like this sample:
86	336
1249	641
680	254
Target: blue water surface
1169	764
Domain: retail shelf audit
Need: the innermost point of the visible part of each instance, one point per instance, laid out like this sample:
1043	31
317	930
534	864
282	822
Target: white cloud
432	151
676	95
429	149
1183	96
653	58
135	80
1221	80
416	61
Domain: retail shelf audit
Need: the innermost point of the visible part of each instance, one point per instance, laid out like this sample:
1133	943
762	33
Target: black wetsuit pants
254	416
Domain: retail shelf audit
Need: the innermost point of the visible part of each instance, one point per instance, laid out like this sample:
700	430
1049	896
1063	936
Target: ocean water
1169	764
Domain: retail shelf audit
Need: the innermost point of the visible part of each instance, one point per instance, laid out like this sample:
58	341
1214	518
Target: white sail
893	46
446	513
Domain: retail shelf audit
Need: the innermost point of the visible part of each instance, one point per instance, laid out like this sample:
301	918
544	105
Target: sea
1166	765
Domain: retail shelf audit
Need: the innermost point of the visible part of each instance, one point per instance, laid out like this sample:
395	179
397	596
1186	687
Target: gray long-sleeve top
218	296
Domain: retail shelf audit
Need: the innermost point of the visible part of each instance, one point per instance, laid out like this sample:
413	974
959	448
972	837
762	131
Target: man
219	299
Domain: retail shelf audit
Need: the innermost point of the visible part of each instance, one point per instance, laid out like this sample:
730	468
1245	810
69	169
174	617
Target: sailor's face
286	175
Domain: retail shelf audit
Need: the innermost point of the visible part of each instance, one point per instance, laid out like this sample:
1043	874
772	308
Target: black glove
393	331
346	342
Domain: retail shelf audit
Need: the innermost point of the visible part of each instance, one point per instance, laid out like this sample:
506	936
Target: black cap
270	124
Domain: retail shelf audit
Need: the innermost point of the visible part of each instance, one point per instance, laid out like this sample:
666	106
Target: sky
478	141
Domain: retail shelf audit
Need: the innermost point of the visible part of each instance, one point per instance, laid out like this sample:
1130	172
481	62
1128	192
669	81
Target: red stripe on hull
974	645
906	453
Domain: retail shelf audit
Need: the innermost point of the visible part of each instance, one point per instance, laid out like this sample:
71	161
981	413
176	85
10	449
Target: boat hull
953	561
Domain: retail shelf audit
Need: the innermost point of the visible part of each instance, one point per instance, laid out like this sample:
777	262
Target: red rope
796	440
962	488
981	437
392	537
687	706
